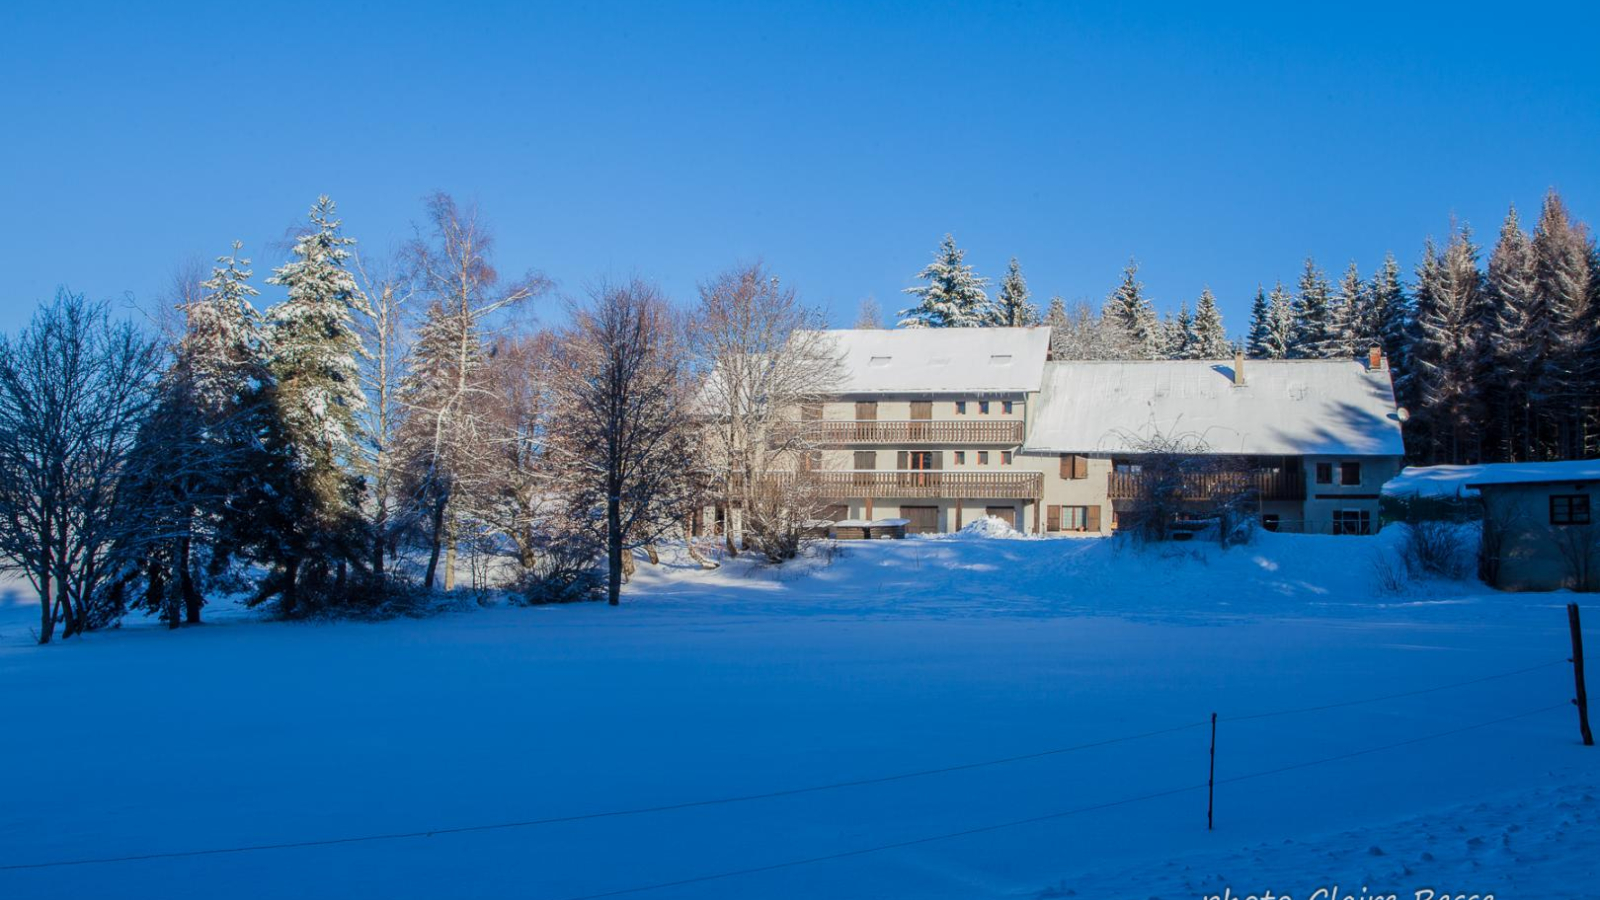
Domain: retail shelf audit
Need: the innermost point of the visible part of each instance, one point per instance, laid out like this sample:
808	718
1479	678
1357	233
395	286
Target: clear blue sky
839	142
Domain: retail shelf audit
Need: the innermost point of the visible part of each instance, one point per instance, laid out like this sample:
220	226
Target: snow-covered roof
1573	470
941	360
1433	481
1287	407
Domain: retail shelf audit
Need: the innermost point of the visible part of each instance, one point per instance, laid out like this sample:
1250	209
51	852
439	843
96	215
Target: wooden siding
928	484
1280	484
916	431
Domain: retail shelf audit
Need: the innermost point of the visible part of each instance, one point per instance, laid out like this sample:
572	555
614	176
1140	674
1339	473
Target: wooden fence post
1211	780
1582	699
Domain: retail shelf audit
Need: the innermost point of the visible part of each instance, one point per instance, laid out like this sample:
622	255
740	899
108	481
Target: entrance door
1006	514
921	519
920	462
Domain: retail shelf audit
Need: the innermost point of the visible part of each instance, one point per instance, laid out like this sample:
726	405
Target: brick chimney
1374	358
1238	368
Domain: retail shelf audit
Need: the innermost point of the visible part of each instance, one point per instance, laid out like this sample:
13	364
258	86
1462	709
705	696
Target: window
1005	457
1352	521
811	461
1270	521
961	407
1071	518
983	457
1006	407
866	460
983	407
1569	509
961	457
1349	473
879	362
810	412
1126	467
1324	473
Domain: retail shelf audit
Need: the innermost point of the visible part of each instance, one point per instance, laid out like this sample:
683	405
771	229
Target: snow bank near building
990	527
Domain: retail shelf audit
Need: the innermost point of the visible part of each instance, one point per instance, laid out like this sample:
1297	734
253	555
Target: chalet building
940	427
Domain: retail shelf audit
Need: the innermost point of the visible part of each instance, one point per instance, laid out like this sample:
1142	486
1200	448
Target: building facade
942	427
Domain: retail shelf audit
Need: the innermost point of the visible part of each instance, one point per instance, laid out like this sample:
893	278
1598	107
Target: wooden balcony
933	432
887	484
1264	484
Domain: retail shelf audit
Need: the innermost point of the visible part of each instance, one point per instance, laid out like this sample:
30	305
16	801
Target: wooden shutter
922	409
1092	519
1066	466
938	460
866	459
1080	467
901	460
810	412
866	411
1053	518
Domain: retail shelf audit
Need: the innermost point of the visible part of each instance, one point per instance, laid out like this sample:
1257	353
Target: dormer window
879	362
1000	359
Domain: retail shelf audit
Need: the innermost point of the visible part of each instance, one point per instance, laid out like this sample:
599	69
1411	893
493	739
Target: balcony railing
1266	484
883	484
942	432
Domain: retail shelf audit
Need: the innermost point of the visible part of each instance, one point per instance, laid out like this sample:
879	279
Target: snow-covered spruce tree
1391	308
1278	341
953	296
1314	330
313	358
198	445
1449	354
441	442
1519	340
1129	311
1178	334
1562	254
1258	339
1354	327
1012	308
1210	337
1056	318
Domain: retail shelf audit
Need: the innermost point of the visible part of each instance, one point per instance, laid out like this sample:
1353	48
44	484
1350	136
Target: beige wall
1534	554
1324	500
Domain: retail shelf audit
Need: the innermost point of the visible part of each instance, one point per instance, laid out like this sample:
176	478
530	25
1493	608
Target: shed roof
941	360
1287	407
1496	474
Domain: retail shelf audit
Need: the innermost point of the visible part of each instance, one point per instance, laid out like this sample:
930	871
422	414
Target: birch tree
444	392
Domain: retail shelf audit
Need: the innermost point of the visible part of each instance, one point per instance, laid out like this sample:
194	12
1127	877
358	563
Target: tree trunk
450	563
613	549
192	601
436	543
291	585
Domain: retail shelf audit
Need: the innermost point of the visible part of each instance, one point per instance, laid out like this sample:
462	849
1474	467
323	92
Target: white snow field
895	658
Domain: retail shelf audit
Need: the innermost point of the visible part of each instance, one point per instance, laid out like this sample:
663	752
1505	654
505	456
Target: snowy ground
896	657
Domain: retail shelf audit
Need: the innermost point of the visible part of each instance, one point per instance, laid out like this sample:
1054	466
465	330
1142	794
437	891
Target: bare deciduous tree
621	430
762	359
74	387
388	350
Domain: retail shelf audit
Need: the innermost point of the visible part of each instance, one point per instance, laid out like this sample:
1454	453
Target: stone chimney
1238	368
1374	358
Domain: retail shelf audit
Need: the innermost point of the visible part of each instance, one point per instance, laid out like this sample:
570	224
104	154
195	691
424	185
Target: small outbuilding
1539	530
